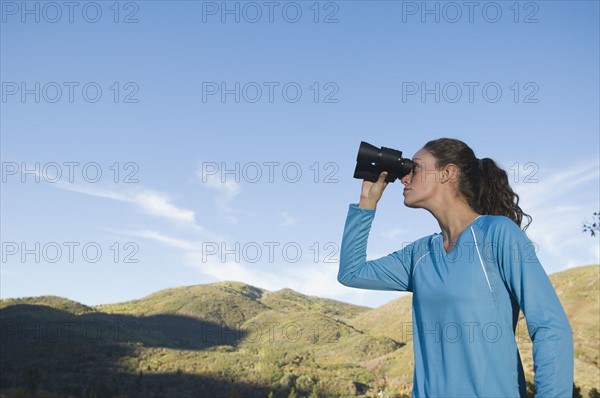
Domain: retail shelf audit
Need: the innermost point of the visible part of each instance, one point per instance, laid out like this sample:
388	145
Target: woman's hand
371	192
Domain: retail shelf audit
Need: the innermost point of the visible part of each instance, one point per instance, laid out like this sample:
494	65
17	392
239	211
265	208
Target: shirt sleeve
547	322
391	272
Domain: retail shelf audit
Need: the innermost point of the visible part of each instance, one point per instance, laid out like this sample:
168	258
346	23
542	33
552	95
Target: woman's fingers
372	191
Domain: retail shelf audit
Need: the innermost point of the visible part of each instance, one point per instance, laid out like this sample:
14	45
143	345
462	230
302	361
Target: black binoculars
371	161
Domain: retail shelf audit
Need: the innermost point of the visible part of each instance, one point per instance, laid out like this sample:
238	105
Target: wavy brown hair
482	183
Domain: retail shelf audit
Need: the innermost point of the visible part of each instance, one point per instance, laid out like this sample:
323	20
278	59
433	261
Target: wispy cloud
149	201
562	184
159	204
393	233
306	276
313	279
310	278
226	191
559	203
234	271
164	239
287	220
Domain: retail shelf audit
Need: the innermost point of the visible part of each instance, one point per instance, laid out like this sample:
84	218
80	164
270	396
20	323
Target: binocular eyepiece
371	161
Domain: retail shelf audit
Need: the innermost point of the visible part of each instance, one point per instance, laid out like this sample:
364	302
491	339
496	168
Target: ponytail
495	196
482	183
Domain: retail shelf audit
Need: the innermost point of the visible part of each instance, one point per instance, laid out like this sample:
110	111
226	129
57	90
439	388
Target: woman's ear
449	173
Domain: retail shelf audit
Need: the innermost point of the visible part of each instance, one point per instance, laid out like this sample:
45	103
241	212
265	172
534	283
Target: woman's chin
408	203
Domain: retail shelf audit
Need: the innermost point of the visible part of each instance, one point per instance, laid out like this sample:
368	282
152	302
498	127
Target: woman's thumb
382	176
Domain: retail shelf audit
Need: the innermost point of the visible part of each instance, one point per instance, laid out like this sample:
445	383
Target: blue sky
153	144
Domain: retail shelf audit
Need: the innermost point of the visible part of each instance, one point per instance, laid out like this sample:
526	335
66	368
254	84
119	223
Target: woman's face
423	183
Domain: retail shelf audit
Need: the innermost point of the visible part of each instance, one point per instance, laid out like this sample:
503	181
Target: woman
468	282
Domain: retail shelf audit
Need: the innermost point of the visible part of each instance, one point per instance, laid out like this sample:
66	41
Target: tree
577	391
32	378
594	393
594	226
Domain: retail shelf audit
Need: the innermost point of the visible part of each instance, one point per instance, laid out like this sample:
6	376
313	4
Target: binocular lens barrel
371	161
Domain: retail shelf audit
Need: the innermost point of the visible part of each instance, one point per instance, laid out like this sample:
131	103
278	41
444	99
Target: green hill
231	303
229	339
58	303
579	293
225	302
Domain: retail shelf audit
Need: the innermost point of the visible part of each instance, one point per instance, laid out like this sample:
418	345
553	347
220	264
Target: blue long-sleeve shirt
465	307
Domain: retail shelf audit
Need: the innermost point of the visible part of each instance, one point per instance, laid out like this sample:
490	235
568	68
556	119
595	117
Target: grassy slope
579	292
287	335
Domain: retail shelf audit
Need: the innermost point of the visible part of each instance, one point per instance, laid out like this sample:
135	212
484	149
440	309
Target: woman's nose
406	179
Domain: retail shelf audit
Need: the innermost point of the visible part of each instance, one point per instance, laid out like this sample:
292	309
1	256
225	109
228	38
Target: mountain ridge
231	335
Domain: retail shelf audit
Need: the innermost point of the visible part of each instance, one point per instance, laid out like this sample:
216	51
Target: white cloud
234	271
226	191
167	240
150	202
287	220
231	219
159	204
566	184
313	279
318	278
559	204
393	233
